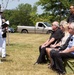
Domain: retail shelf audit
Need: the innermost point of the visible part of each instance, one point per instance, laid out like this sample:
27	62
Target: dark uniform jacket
70	18
4	30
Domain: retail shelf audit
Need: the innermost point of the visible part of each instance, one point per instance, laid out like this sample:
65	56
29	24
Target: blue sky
14	3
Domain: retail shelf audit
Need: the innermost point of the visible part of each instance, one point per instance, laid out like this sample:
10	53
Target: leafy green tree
8	14
24	14
57	8
45	17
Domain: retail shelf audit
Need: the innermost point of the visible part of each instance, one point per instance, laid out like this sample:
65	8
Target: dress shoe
49	66
3	59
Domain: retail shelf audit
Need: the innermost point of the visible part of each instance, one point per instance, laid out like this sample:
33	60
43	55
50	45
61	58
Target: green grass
22	54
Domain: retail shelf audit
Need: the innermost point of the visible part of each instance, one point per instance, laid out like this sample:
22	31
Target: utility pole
0	15
0	7
0	29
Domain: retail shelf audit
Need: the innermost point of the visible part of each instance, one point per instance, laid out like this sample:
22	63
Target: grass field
22	54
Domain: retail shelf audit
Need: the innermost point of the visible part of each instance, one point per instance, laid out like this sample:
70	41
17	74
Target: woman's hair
64	24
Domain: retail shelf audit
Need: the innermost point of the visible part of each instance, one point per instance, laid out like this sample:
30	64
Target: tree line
26	14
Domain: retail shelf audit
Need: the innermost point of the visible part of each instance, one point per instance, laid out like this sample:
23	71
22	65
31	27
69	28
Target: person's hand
42	46
52	46
62	51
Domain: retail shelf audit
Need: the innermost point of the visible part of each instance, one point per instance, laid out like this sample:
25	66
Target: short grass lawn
22	53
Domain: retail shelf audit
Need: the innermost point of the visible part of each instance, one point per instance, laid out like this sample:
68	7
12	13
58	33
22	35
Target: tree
57	8
22	15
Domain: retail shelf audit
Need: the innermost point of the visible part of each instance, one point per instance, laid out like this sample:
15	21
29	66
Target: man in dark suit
55	37
71	16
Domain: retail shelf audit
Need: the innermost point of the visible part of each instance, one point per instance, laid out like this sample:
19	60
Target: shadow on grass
6	60
12	44
20	45
7	55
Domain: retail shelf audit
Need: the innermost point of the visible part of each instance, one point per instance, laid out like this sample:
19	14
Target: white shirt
71	43
1	27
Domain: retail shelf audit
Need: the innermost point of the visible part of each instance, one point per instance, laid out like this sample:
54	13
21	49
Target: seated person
58	57
53	39
64	28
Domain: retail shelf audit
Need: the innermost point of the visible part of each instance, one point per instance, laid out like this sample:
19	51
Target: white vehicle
40	27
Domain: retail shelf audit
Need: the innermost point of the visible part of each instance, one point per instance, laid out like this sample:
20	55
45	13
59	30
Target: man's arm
50	41
55	45
68	50
44	44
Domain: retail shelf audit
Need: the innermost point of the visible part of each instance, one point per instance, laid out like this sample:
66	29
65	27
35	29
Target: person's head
64	26
3	20
55	25
72	9
71	28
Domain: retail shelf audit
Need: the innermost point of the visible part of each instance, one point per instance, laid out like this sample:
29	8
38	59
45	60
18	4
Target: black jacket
66	43
70	18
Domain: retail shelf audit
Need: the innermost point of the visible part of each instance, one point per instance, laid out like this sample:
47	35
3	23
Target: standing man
4	29
1	39
71	16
